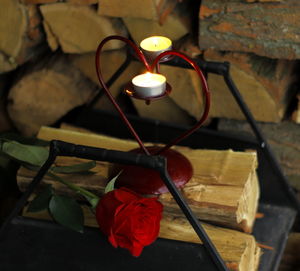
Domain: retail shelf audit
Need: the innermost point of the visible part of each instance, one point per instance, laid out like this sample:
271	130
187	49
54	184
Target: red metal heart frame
154	65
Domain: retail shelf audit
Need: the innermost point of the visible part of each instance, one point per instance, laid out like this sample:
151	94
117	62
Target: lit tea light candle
149	84
153	46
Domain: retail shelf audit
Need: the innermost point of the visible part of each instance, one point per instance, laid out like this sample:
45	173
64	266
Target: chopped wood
266	29
264	84
45	93
284	139
239	250
119	8
174	27
296	113
223	189
186	89
21	36
77	2
79	29
110	62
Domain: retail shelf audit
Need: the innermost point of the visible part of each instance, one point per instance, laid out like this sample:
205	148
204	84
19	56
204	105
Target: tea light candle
149	84
153	46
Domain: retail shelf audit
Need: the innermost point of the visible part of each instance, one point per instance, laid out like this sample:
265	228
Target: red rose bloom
129	220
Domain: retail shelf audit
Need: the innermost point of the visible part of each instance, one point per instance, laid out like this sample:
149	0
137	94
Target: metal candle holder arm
151	68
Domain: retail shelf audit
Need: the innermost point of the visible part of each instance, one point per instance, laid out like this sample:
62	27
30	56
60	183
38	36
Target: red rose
129	220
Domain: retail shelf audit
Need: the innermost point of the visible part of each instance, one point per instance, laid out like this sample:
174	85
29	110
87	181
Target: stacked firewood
47	55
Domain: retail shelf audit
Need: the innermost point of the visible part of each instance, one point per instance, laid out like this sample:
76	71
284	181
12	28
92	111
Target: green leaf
41	201
67	212
10	136
82	167
33	155
111	184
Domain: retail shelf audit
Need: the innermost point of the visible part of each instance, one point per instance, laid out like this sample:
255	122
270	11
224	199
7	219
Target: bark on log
79	29
223	189
21	37
239	250
284	139
45	93
266	29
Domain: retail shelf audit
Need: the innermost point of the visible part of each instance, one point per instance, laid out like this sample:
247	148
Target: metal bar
158	163
263	144
112	79
36	180
209	246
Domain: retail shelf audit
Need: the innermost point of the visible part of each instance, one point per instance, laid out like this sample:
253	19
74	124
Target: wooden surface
224	188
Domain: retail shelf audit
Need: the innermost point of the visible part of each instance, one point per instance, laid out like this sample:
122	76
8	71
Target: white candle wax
153	46
149	84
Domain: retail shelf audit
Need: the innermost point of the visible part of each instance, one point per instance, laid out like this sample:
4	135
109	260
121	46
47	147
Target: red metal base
148	181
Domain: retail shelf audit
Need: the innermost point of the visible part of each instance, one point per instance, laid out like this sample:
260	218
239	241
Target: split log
296	113
266	29
186	89
174	27
110	62
45	93
291	260
223	189
264	84
284	139
239	250
77	2
21	37
79	29
147	9
5	122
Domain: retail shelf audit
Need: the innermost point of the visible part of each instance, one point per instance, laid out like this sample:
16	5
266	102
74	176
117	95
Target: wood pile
223	191
263	68
47	53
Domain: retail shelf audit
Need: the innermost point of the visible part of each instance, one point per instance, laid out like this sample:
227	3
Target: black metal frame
59	148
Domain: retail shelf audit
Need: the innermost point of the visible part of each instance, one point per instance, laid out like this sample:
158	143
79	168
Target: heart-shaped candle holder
146	181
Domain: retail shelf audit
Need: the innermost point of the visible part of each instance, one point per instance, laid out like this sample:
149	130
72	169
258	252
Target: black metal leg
23	200
60	148
112	79
263	144
216	258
